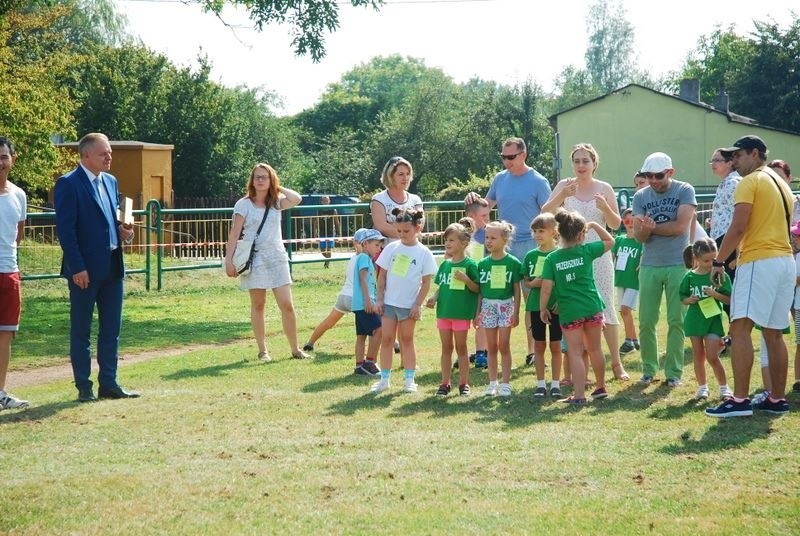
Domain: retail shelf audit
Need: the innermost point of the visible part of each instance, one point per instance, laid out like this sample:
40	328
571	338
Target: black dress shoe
86	395
116	392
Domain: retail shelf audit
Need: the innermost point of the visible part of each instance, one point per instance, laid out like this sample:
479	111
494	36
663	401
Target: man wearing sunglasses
763	290
664	213
519	193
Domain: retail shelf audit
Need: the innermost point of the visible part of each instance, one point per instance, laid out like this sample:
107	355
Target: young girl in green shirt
568	274
499	302
456	301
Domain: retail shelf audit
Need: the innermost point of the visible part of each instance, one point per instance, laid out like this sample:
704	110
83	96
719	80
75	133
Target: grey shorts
396	313
344	303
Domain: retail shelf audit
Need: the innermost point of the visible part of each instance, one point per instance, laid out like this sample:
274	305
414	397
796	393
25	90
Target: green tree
760	72
34	104
309	19
609	55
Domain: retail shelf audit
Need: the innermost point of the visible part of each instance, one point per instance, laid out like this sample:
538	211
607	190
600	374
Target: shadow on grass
35	413
213	370
724	434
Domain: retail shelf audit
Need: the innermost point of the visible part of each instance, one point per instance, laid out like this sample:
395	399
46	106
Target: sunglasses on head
510	156
657	176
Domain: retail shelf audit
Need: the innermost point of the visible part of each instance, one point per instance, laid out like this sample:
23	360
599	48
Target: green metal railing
171	240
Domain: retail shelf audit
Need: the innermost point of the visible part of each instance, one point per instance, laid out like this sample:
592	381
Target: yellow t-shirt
767	234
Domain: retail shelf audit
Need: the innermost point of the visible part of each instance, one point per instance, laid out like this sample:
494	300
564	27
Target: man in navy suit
86	203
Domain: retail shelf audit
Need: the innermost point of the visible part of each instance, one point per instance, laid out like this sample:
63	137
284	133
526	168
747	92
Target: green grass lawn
220	443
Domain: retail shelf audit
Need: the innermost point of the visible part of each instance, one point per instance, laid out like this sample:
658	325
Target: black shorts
538	327
366	323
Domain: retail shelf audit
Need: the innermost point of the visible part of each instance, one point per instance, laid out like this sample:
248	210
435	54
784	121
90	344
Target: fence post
289	236
153	215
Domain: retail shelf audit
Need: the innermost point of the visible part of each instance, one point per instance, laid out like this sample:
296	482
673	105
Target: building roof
732	117
123	145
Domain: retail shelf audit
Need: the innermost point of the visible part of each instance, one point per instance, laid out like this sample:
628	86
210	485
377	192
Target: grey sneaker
8	401
646	379
673	382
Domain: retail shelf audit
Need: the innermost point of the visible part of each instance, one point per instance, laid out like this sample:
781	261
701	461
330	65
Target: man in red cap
765	275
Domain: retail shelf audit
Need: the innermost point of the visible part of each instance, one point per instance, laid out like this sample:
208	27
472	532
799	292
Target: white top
405	266
389	204
13	209
347	288
269	245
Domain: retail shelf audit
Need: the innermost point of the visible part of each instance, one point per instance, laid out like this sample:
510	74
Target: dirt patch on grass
40	375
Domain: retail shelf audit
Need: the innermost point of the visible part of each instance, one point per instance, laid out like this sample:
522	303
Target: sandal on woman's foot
300	355
264	356
566	381
619	373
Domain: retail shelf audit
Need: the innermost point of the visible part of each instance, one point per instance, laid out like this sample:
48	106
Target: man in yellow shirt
765	275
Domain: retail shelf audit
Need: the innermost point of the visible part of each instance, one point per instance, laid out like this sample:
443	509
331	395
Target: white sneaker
491	390
380	386
760	397
505	389
726	393
8	401
702	393
409	386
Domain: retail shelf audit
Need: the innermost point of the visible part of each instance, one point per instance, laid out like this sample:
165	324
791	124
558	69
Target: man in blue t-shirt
519	193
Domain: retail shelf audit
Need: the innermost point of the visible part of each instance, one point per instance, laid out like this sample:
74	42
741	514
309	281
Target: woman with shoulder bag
257	220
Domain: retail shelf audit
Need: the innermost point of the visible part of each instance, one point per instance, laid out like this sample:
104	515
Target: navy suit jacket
82	228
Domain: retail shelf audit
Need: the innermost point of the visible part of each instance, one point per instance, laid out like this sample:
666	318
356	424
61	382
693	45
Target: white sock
705	386
541	383
555	385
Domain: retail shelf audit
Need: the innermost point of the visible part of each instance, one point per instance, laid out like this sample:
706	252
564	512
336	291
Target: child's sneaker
505	389
529	359
443	390
359	371
464	390
540	392
796	387
370	368
555	392
702	393
600	392
481	359
725	392
491	389
574	401
627	347
308	347
397	347
8	401
636	344
409	385
380	386
760	397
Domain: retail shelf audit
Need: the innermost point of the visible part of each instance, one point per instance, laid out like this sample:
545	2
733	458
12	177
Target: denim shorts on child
397	313
452	324
594	320
344	303
366	323
629	297
496	313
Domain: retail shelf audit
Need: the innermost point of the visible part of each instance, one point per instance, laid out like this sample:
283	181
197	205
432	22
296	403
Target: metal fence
169	240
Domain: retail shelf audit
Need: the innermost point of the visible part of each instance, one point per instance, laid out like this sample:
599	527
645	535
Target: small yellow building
144	170
628	124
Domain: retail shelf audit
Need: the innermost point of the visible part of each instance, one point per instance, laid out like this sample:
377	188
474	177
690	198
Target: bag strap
771	174
263	220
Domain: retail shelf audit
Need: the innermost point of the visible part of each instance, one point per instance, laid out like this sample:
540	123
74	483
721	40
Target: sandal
264	356
566	381
621	376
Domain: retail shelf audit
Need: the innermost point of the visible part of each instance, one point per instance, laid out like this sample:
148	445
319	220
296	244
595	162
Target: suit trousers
107	296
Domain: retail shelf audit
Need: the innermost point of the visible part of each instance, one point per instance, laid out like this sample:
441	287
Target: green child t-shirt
532	267
627	253
456	301
571	271
498	277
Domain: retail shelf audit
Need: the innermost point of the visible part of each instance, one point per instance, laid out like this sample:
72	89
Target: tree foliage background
68	67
